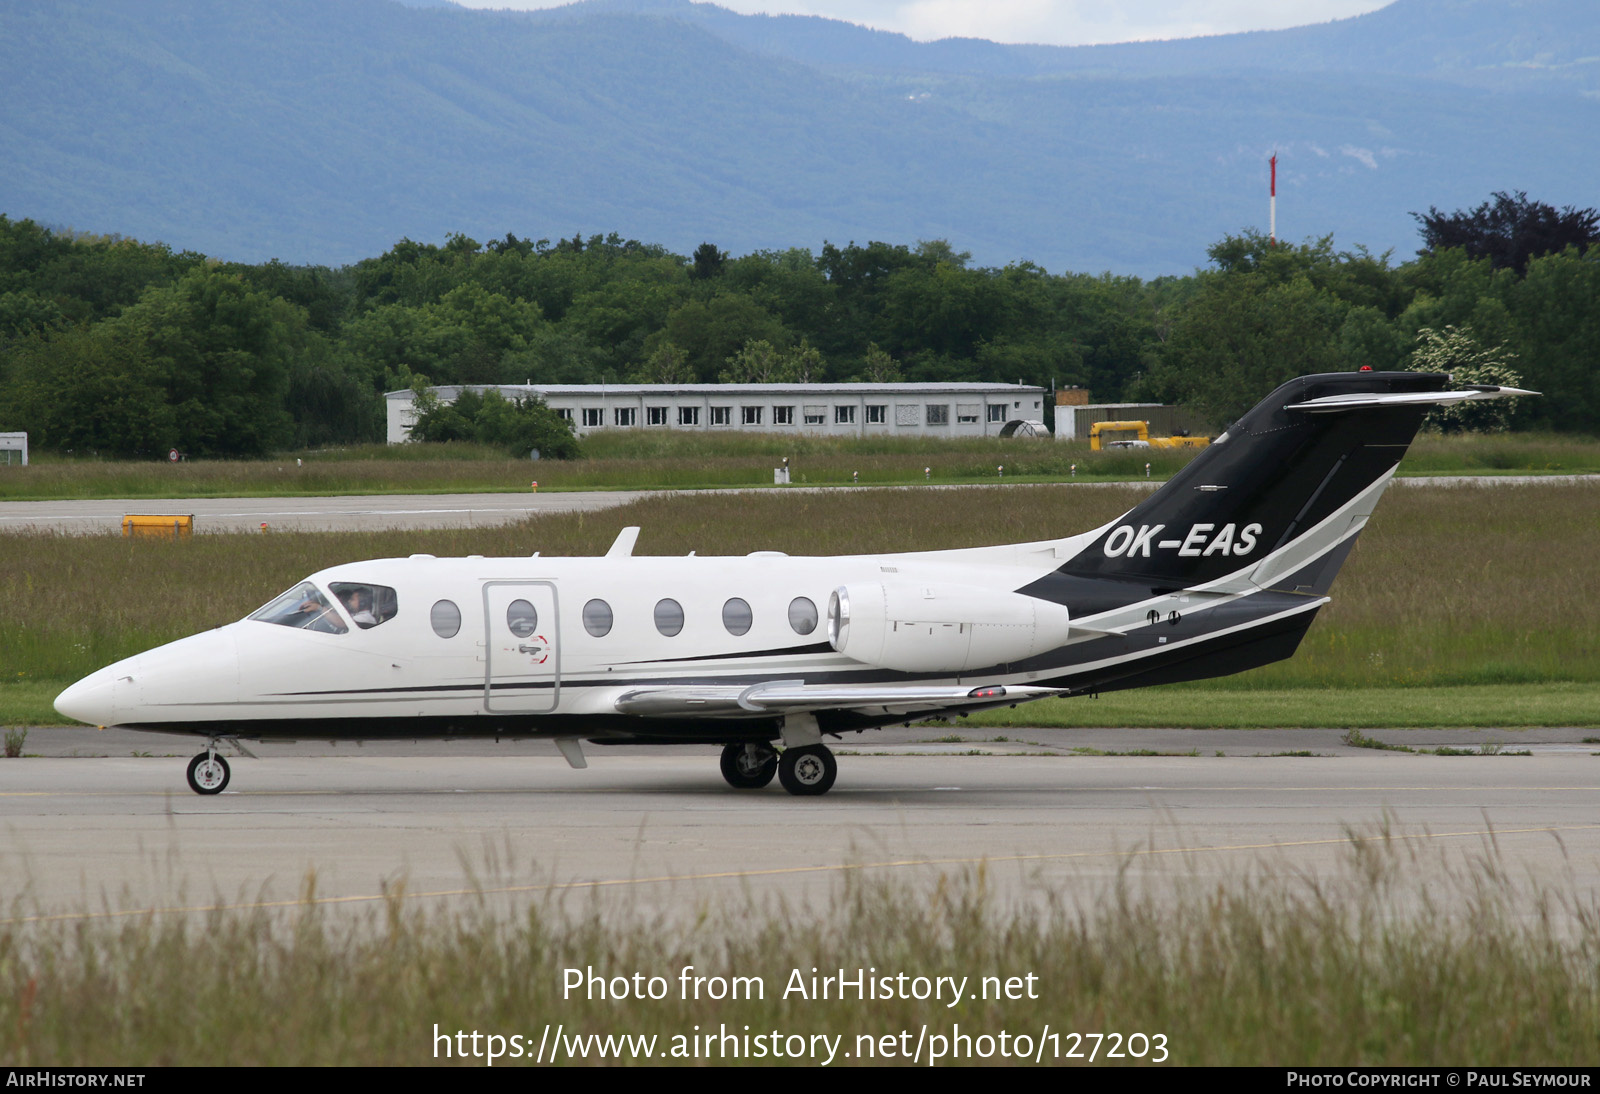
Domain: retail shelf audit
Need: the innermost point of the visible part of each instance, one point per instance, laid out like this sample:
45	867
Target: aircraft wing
796	696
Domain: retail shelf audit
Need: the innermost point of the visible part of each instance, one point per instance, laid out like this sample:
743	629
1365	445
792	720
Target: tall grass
1485	453
1390	959
1451	586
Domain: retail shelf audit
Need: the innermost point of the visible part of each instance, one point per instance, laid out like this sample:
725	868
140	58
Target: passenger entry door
523	673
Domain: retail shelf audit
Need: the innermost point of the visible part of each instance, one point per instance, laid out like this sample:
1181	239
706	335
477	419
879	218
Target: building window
688	415
655	415
592	417
722	415
625	415
877	414
750	415
816	415
783	415
938	414
967	412
997	412
844	415
564	413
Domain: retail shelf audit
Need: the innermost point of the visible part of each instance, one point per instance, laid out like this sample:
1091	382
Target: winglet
622	546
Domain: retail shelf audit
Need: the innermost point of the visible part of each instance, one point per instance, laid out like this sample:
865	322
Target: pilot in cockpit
357	600
316	614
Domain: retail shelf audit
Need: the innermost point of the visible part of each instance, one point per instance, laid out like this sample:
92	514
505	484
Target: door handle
529	649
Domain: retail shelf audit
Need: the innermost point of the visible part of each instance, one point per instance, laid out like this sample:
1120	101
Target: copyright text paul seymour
1456	1078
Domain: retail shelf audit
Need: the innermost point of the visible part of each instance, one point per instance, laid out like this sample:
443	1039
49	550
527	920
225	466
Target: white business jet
1221	569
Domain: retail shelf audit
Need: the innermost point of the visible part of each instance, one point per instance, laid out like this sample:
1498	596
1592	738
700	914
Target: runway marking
781	871
839	792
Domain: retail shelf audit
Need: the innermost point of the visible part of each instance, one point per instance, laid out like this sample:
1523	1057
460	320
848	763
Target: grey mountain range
322	131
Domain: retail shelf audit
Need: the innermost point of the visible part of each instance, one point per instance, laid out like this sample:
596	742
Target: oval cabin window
669	617
445	618
521	618
597	618
802	615
736	616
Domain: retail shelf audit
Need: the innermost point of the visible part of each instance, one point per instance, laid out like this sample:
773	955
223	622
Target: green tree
1243	335
1555	317
714	330
708	262
519	426
1456	351
223	354
84	389
878	367
666	364
757	362
1510	230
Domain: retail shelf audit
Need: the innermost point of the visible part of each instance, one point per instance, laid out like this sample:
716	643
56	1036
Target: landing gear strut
748	767
808	770
208	772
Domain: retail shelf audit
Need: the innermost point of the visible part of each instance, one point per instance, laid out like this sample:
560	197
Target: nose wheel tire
208	773
807	771
748	767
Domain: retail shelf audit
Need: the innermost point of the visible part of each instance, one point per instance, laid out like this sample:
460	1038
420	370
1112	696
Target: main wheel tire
807	771
747	771
208	773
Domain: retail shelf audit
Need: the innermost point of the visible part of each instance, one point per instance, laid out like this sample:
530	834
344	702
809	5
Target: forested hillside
121	347
320	131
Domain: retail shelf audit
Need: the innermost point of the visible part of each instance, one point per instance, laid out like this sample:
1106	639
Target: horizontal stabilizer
1366	400
795	696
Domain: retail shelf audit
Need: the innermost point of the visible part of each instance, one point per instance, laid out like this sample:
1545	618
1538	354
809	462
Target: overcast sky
1056	22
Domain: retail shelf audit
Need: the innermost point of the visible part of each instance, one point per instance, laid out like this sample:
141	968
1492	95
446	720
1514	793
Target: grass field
643	459
1485	588
1370	965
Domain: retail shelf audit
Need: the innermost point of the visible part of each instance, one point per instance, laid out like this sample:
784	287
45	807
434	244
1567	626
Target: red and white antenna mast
1272	228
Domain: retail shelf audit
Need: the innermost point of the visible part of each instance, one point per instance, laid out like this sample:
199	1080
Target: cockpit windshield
304	607
367	605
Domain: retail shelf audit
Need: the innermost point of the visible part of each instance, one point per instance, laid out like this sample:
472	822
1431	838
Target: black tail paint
1275	474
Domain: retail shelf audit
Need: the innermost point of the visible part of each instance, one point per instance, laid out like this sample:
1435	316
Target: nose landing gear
208	772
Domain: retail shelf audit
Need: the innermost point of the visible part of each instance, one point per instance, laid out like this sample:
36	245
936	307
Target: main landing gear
749	767
208	772
806	771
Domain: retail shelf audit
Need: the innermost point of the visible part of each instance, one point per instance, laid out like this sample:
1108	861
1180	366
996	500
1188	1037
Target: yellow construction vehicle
1098	441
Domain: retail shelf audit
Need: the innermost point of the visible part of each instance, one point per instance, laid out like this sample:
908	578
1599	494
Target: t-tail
1278	500
1223	567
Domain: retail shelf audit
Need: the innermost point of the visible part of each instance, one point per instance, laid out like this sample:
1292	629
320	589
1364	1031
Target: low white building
845	410
14	444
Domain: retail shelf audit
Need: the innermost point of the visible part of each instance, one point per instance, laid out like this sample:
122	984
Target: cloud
1054	22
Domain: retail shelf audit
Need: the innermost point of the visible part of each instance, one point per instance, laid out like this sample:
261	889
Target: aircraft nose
90	699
